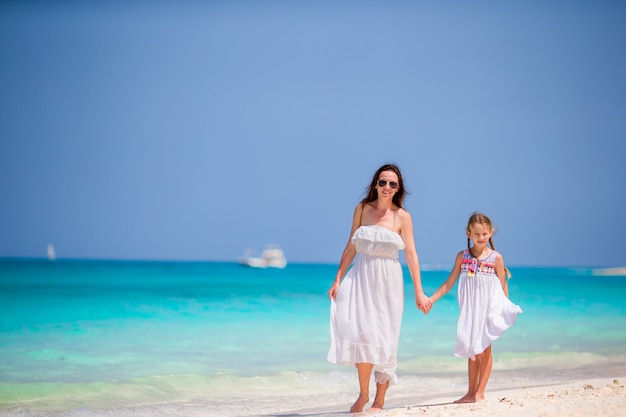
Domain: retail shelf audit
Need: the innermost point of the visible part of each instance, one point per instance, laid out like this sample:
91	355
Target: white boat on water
52	255
271	257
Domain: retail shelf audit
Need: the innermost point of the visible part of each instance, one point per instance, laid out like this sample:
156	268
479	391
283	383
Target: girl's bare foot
376	407
359	404
470	398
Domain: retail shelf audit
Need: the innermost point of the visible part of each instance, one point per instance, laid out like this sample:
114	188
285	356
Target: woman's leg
379	400
364	371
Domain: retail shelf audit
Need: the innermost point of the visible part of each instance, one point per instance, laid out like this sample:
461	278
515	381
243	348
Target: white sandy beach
598	397
604	397
595	397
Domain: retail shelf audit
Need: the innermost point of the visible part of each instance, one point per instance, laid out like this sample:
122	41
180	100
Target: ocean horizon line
614	269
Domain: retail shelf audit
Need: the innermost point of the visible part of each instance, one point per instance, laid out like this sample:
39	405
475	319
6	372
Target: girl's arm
501	273
449	283
348	253
410	253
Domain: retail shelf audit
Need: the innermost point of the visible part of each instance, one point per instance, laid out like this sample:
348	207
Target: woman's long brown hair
372	194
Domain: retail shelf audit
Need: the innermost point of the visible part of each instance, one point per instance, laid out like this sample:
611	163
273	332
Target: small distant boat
271	257
52	255
610	271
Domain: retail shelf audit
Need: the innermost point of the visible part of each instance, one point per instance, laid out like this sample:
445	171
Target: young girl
485	310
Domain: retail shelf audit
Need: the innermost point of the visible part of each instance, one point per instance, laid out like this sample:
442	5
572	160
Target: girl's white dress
365	319
486	312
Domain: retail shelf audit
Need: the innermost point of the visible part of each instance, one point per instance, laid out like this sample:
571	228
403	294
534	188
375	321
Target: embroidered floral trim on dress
473	265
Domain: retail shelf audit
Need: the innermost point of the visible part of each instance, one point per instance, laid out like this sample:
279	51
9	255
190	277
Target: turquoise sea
100	338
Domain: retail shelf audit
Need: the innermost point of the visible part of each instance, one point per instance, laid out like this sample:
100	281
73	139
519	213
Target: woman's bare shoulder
402	213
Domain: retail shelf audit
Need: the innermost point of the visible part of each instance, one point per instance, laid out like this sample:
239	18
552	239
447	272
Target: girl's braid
506	270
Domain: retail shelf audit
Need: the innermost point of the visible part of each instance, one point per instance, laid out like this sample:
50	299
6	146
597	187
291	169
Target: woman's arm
348	253
410	253
450	281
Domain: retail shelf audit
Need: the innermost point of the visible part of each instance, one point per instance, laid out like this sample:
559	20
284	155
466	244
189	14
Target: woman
366	306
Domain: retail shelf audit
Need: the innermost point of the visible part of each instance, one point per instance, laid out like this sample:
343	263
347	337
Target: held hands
423	303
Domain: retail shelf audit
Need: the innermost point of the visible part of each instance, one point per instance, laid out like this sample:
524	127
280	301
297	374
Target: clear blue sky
144	130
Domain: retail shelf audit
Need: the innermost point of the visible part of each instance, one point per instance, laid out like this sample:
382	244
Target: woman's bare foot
359	404
376	407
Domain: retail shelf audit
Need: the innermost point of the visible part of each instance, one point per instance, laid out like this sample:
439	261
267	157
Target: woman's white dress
485	311
365	319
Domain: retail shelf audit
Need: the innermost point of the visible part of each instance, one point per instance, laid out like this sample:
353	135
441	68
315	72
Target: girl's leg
478	372
486	362
364	371
473	367
379	400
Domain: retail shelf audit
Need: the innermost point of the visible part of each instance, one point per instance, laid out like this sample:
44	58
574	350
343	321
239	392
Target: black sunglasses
392	184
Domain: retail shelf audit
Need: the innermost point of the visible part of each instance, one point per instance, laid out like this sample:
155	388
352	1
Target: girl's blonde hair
478	217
